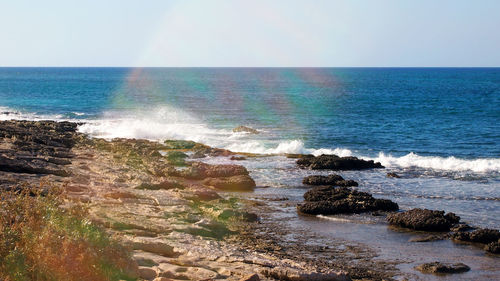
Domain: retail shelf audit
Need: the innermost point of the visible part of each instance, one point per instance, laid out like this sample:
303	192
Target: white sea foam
170	123
440	163
333	218
157	124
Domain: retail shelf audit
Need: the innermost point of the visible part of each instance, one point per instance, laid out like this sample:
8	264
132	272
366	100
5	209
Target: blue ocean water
438	127
428	111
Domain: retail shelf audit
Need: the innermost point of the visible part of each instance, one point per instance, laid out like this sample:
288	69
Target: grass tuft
43	241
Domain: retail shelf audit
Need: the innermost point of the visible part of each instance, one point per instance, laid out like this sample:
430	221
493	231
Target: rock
393	175
251	277
176	158
237	158
120	195
334	162
428	238
424	219
493	247
163	279
297	156
461	227
234	183
342	200
201	194
231	214
198	154
328	180
152	245
281	273
442	268
245	129
482	235
166	184
179	144
147	273
200	170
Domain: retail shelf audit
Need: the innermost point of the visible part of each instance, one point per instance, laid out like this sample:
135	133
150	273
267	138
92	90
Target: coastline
180	223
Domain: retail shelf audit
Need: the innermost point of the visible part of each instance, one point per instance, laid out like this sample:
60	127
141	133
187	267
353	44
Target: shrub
42	240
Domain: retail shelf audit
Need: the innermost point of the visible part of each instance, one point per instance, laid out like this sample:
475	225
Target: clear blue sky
250	33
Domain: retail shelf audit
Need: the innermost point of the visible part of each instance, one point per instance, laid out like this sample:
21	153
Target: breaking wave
170	123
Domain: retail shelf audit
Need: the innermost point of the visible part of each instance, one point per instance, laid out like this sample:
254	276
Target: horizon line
51	66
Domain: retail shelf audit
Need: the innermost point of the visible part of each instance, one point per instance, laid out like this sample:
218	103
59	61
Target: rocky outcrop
392	175
342	200
234	183
332	179
442	268
334	162
490	238
424	219
199	170
245	129
37	147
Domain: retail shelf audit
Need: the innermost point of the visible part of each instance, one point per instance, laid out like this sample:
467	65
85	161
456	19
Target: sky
257	33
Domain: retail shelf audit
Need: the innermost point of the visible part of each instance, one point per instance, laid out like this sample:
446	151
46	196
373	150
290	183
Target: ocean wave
7	113
170	123
156	124
440	163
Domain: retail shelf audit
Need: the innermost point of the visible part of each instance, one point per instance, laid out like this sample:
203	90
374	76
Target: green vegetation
41	240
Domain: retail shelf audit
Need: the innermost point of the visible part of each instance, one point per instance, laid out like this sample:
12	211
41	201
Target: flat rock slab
442	268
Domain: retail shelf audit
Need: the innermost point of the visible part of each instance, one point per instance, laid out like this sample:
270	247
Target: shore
183	219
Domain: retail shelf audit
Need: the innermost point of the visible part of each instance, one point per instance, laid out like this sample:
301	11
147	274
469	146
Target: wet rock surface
328	180
36	147
342	200
489	238
442	268
245	129
424	219
334	162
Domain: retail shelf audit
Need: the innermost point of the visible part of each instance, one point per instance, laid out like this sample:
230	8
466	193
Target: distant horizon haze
223	33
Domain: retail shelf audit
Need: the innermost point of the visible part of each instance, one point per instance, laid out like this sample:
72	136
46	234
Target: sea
437	128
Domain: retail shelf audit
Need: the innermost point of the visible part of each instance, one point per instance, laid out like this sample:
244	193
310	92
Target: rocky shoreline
185	220
167	210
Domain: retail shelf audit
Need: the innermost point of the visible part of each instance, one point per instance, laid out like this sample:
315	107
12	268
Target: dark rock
334	162
328	180
200	170
393	175
234	183
493	247
442	268
245	129
483	235
342	200
424	219
237	158
461	227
